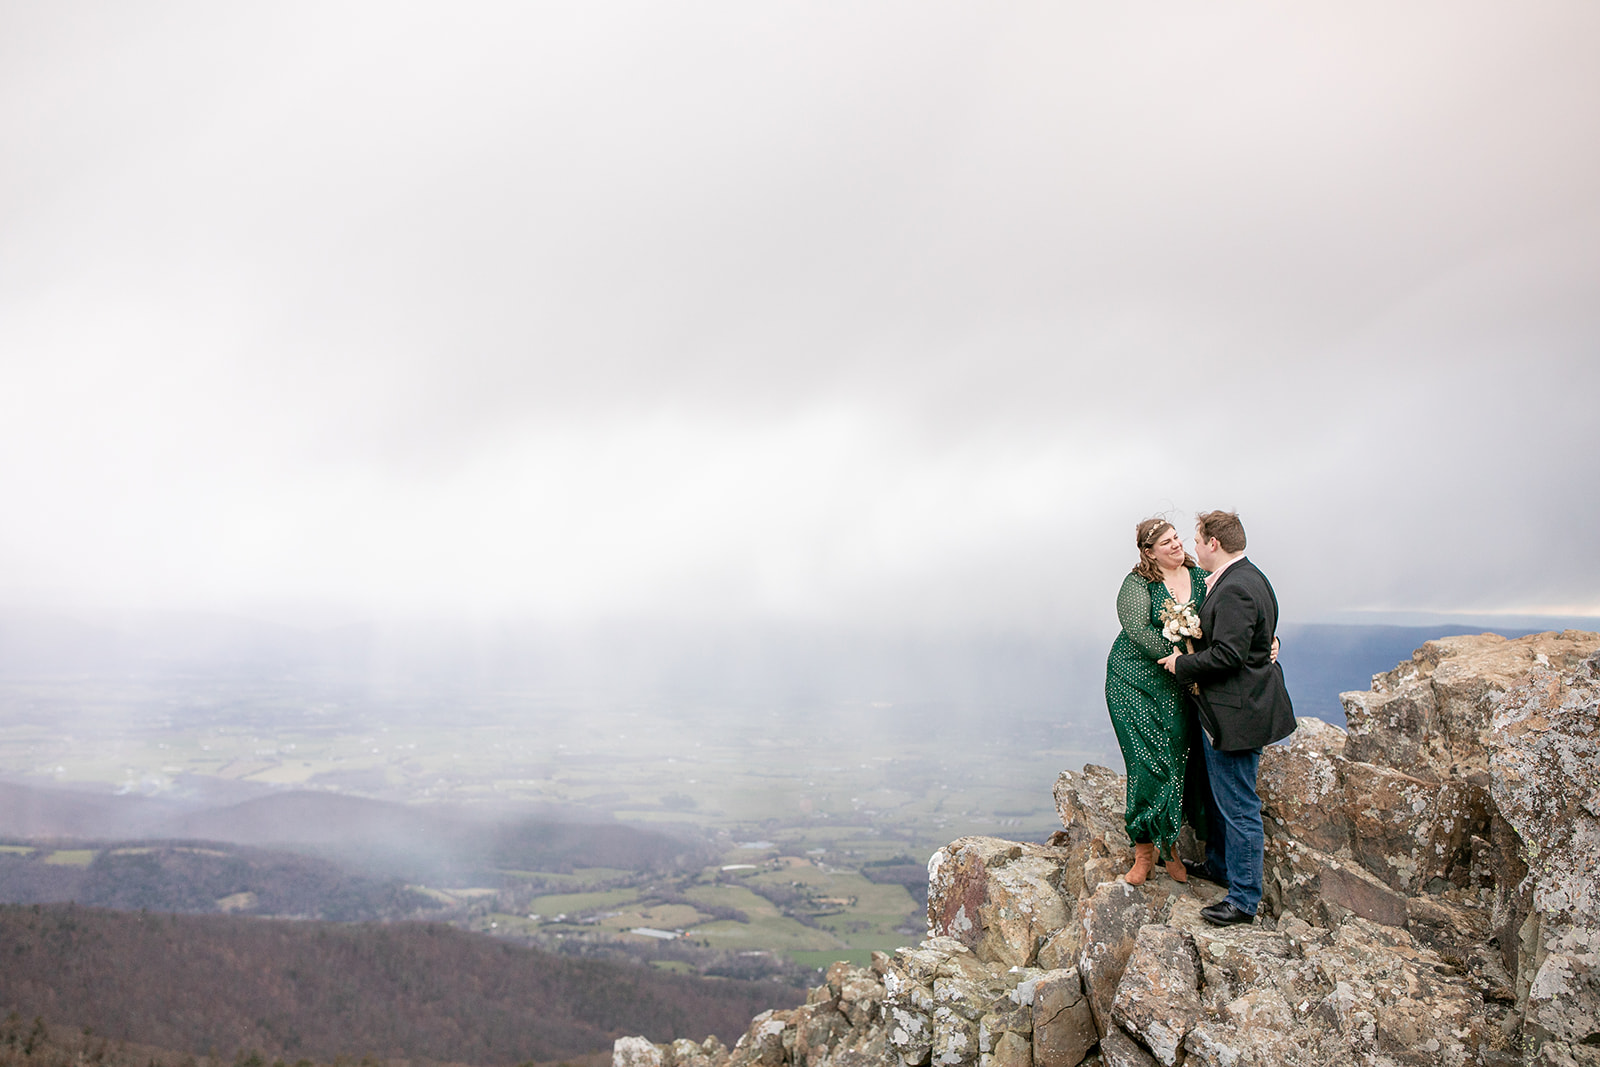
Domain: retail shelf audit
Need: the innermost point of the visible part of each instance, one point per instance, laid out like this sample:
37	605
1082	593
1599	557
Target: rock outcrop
1545	785
1431	898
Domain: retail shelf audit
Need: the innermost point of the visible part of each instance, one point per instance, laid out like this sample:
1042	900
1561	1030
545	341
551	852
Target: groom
1243	706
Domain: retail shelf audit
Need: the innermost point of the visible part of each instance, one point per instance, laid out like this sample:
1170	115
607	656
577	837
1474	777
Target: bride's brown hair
1145	536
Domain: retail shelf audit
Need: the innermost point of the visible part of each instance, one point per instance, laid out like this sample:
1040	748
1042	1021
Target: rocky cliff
1431	899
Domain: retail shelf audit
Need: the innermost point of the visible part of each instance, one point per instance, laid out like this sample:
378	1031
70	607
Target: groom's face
1206	550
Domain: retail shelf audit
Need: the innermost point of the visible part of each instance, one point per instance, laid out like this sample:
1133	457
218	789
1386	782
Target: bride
1146	704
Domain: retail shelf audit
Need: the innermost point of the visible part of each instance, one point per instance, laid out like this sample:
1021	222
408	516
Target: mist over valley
774	792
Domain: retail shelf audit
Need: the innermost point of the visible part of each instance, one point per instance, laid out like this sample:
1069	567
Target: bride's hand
1274	653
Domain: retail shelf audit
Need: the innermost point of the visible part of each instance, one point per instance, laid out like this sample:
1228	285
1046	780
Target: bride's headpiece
1155	532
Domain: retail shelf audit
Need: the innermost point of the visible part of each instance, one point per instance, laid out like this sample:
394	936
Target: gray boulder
1063	1023
1158	997
1000	898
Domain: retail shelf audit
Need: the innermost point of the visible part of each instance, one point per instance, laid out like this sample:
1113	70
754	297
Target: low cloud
899	317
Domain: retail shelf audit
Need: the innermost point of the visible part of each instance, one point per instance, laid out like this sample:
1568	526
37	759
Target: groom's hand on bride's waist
1170	663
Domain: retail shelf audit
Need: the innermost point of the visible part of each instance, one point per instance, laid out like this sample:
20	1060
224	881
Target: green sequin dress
1152	723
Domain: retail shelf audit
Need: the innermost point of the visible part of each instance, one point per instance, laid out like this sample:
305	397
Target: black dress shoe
1223	913
1204	872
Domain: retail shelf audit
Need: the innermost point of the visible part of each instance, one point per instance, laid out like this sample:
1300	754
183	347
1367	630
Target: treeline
200	877
317	991
33	1042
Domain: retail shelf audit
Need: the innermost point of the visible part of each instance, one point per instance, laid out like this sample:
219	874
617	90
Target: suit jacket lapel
1208	610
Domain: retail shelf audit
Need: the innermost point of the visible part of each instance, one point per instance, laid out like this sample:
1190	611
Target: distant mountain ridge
376	837
204	877
415	841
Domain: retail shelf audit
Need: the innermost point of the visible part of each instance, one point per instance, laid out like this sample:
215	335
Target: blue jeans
1234	809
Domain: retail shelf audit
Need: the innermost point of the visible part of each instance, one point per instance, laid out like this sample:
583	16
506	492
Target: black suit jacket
1243	702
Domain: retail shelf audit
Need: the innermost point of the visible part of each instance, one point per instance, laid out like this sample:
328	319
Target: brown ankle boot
1144	860
1176	870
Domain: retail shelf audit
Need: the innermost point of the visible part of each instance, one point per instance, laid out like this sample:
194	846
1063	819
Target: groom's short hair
1224	526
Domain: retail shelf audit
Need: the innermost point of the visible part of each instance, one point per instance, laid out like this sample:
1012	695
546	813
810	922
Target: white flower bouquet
1179	620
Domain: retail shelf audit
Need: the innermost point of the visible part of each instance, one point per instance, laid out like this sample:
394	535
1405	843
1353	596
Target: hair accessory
1155	532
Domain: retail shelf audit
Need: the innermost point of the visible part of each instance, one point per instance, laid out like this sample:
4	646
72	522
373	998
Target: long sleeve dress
1148	714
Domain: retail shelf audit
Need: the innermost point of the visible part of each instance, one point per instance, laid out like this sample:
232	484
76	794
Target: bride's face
1168	549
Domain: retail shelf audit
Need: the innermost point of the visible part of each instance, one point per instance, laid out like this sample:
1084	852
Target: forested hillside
316	990
201	877
34	1042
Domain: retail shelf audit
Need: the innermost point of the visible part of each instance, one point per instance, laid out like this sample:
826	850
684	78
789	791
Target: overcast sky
901	313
